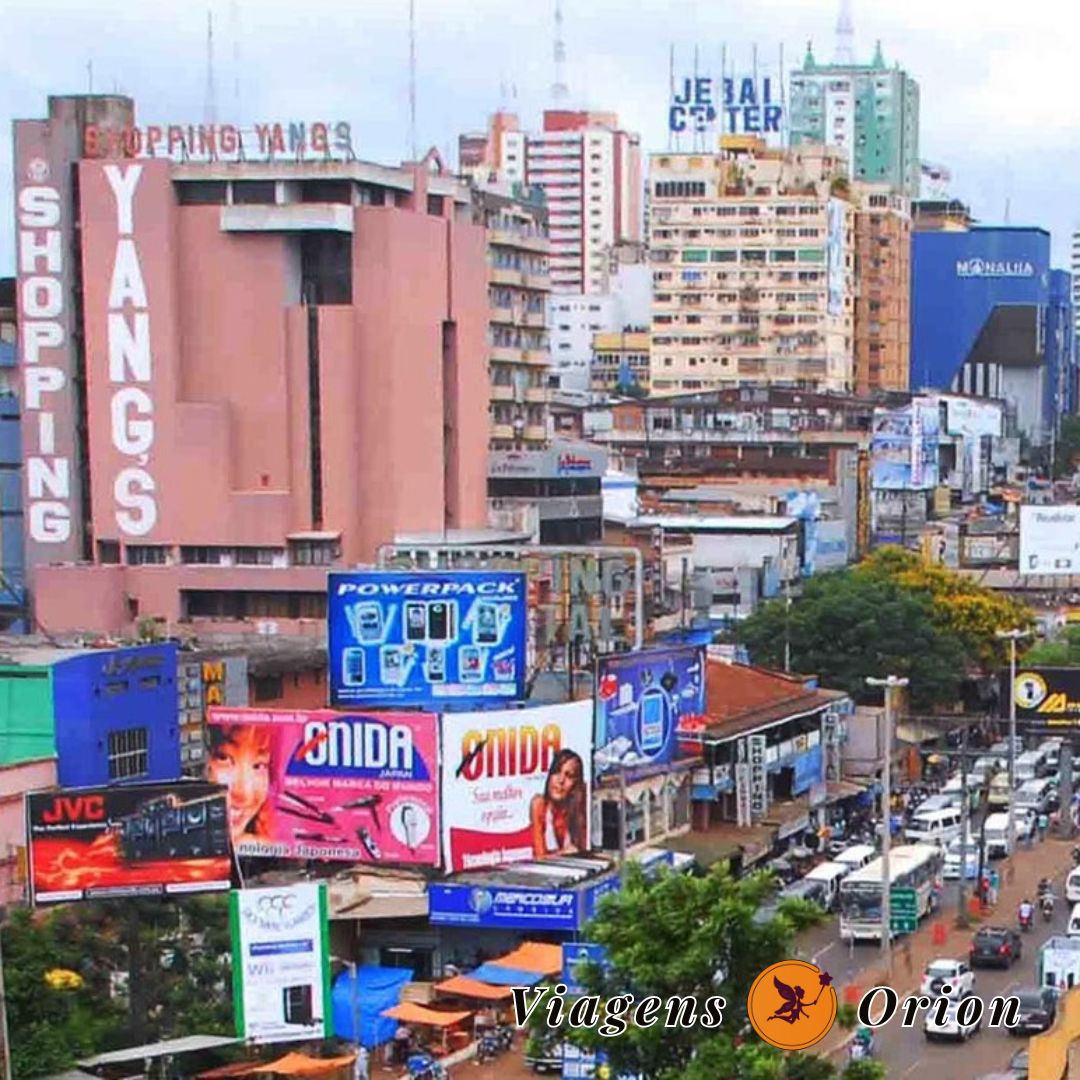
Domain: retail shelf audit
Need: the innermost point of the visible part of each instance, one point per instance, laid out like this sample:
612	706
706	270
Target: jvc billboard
427	638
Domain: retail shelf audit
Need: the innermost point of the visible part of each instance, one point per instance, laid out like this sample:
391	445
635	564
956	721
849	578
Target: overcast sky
999	104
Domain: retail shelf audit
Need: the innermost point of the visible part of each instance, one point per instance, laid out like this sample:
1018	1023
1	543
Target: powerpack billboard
135	840
1050	696
642	698
1049	539
317	784
428	639
516	784
281	964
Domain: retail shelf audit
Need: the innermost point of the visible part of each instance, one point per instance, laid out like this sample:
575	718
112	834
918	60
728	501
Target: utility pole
890	683
1012	637
965	832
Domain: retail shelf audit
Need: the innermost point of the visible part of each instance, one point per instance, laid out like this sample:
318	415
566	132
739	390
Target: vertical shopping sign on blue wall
641	699
427	639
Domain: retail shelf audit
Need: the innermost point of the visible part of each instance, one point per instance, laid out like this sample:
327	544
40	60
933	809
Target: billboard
281	964
835	251
515	784
742	105
318	784
426	638
510	907
1049	539
136	840
1049	695
641	700
904	447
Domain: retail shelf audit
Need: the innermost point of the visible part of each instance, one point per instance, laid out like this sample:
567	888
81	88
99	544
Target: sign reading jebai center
744	106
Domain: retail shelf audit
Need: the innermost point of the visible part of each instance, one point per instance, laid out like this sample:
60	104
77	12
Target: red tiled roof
740	697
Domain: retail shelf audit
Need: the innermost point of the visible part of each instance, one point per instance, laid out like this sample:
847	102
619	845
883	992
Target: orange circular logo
792	1005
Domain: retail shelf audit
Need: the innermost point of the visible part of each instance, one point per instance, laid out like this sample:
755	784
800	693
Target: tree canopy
682	936
1063	651
891	614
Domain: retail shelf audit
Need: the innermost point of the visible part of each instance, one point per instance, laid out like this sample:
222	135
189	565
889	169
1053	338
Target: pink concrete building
247	356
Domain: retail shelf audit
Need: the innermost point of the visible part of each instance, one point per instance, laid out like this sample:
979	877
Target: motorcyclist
1025	913
862	1045
1045	886
1047	902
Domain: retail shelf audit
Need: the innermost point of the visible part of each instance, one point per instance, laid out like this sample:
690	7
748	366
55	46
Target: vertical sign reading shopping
54	512
281	964
759	781
427	638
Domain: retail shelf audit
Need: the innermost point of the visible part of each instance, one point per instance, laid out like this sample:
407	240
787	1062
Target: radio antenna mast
559	88
845	35
412	79
210	105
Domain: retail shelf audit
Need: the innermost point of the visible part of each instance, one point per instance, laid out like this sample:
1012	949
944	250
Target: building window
314	552
129	755
253	192
147	554
267	687
246	556
204	556
108	551
202	193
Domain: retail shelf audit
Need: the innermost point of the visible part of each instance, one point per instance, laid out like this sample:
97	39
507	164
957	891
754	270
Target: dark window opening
237	604
326	267
327	191
436	205
147	554
108	551
129	755
202	193
253	193
268	687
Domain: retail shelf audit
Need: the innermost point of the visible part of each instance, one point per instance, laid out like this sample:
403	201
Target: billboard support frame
600	551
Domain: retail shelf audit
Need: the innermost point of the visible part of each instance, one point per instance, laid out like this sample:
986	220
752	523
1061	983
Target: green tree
685	937
850	625
1061	652
864	1070
1067	453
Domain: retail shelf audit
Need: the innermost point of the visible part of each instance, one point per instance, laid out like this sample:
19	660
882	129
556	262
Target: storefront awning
463	986
500	975
917	733
409	1012
535	956
837	790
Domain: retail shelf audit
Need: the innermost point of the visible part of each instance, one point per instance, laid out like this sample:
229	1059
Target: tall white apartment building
1074	267
590	172
752	253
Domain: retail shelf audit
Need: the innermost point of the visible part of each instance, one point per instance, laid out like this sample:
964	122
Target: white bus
911	866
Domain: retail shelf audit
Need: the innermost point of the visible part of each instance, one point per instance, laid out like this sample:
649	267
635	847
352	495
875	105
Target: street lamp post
1012	637
891	683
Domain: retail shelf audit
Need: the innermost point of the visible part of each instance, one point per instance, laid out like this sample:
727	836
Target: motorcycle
1025	920
504	1034
1047	904
1076	856
425	1067
488	1048
861	1049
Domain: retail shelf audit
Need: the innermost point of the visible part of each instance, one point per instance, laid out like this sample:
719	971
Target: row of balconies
498	275
530	432
510	354
520	241
515	317
531	395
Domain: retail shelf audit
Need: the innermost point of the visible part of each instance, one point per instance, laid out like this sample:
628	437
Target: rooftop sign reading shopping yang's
994	268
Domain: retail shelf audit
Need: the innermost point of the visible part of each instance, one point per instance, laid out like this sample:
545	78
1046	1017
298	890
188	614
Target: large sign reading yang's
316	784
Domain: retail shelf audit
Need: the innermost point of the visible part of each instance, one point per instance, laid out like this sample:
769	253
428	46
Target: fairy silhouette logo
792	1005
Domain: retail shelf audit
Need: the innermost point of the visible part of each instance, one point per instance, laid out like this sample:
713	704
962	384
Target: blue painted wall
1060	346
115	690
948	311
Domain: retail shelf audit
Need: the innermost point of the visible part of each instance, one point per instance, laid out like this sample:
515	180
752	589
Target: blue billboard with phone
428	639
643	699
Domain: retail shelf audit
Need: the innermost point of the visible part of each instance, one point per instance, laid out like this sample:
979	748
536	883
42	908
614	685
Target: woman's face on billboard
242	764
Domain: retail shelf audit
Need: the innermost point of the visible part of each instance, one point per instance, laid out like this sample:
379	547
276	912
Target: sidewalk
1050	858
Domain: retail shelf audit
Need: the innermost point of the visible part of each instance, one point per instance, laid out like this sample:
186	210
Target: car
950	1028
1038	1010
954	972
1018	1064
953	858
994	946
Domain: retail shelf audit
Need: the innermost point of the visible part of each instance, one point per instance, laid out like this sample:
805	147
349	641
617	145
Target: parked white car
953	859
954	973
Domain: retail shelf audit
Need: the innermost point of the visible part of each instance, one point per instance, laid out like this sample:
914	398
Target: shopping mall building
245	356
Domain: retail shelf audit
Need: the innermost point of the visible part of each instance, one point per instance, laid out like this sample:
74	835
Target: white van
974	787
1072	886
1074	922
829	874
997	836
1051	748
1036	794
857	856
1029	766
934	826
987	767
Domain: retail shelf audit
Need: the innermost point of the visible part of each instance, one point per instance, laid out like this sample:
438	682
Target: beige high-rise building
753	268
883	288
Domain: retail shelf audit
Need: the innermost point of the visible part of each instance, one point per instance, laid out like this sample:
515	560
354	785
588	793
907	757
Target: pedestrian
1044	825
402	1039
906	950
360	1068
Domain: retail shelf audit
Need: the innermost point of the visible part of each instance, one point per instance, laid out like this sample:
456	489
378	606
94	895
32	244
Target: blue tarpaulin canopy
377	988
497	975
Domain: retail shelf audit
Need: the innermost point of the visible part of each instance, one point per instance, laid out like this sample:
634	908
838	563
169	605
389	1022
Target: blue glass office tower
991	319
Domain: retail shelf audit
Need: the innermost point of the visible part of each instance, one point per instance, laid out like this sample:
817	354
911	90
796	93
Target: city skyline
354	66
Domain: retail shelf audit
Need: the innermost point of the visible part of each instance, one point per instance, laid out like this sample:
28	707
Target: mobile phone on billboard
440	620
652	723
369	620
352	667
487	623
470	664
415	621
436	664
392	666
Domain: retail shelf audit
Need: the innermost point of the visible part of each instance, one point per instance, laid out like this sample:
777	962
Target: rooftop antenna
1008	188
234	27
210	105
785	130
89	76
559	89
845	35
412	79
671	88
